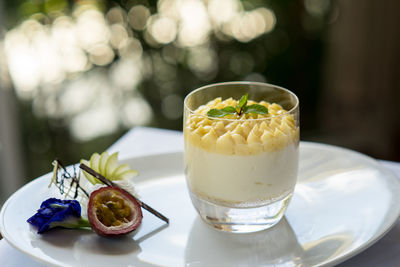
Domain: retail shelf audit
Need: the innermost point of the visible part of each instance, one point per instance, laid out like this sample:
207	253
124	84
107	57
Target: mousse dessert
241	159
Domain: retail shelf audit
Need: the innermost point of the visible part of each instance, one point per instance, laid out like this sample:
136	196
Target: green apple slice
127	175
120	169
90	178
94	161
111	165
102	162
124	172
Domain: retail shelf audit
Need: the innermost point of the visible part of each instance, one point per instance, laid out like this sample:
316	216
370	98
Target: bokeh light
89	69
163	29
138	16
41	54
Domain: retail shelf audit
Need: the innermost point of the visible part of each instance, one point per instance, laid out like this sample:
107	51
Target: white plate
343	203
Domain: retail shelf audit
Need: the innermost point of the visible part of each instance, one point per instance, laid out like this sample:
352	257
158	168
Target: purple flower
55	212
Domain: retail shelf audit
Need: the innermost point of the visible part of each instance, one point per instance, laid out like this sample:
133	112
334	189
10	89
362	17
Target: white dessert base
245	180
241	193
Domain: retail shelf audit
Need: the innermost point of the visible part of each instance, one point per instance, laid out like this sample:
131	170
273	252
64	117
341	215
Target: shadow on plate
84	240
209	247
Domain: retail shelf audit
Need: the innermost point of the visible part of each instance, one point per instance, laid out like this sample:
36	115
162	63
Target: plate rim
382	231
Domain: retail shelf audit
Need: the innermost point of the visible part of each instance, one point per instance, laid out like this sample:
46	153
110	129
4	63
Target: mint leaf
218	113
255	108
229	109
242	103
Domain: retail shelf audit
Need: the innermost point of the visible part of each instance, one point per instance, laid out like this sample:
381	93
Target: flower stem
83	223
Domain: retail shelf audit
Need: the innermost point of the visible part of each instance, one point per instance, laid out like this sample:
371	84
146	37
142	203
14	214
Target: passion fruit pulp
112	211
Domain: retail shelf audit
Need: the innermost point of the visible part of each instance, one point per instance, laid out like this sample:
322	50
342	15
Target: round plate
343	203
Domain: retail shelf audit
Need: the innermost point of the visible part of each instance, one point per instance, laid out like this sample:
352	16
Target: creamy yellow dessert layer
245	160
241	135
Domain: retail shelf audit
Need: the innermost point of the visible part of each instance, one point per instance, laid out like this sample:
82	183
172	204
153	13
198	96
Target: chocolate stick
110	183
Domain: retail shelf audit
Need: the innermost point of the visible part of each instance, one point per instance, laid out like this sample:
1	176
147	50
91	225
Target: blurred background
76	75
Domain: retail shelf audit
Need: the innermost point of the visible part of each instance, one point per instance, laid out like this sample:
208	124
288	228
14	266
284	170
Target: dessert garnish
112	210
240	108
112	184
58	213
61	176
107	165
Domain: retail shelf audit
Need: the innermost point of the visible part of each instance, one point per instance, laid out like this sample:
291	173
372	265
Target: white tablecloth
146	141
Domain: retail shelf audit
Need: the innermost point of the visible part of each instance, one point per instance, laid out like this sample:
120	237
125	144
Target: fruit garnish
109	183
239	109
112	211
107	165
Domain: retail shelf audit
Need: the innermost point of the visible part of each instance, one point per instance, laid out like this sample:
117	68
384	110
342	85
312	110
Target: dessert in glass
241	153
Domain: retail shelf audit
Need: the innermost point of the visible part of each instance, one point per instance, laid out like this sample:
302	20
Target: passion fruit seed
111	210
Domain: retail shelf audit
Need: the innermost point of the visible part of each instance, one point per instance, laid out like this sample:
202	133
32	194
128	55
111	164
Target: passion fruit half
112	211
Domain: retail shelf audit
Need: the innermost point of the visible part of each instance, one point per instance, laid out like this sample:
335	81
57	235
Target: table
142	141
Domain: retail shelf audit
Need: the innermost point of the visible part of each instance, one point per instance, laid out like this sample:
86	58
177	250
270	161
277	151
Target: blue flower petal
55	212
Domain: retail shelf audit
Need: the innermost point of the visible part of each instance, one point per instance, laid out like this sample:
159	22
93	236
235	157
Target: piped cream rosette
247	134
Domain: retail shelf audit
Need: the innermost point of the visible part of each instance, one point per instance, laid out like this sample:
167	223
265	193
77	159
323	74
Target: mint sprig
239	109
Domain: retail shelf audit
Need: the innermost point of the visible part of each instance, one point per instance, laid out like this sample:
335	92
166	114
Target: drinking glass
241	171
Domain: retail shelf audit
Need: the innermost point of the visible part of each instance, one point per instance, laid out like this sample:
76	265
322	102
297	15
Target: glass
241	170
